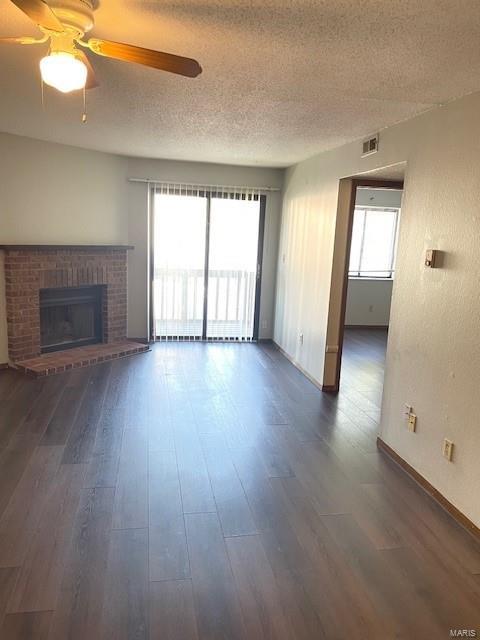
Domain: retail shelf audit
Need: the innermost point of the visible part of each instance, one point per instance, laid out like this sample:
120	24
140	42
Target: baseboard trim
316	383
430	489
141	340
366	326
329	388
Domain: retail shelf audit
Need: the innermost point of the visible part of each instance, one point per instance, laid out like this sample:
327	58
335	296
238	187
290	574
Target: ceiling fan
66	67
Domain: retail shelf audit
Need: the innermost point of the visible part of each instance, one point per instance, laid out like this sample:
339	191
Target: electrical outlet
448	449
407	410
264	324
412	422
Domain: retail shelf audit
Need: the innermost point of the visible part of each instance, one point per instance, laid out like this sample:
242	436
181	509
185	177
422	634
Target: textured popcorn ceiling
282	80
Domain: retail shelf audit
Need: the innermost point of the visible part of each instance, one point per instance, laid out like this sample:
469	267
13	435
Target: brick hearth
51	363
29	269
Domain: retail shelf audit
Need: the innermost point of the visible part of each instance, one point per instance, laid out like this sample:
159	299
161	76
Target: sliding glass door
207	257
179	266
232	268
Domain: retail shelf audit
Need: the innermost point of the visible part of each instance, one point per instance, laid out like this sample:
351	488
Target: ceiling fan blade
20	40
40	13
91	78
148	57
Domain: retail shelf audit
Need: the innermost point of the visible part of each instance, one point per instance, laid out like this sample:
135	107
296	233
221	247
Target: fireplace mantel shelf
70	247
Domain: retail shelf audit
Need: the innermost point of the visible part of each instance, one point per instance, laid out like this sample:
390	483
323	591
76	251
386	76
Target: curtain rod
201	185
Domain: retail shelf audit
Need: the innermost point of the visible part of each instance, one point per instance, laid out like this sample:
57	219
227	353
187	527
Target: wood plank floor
211	492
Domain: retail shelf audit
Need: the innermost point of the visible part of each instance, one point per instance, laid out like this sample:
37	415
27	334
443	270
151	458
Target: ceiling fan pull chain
84	115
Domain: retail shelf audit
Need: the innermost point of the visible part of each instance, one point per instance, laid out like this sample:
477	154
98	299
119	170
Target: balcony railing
179	296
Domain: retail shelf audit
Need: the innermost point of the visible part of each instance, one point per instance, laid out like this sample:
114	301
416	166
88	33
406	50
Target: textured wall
434	352
433	355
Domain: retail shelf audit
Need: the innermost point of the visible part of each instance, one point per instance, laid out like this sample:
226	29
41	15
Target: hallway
210	491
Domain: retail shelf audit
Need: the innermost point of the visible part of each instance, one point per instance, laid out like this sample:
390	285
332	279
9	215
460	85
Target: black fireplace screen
70	317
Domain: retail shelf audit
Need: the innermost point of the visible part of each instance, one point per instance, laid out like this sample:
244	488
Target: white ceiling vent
370	146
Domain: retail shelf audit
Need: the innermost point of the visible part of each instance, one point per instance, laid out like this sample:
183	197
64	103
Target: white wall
368	302
433	355
210	174
367	197
51	193
55	194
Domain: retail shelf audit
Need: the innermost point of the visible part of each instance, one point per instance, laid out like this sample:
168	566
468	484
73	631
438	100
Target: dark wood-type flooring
209	491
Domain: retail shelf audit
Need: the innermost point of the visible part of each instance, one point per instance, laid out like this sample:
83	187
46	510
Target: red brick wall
29	270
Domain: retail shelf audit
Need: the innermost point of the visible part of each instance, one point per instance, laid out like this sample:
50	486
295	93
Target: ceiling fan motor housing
76	15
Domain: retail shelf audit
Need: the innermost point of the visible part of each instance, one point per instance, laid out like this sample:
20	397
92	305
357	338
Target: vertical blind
179	223
232	268
205	261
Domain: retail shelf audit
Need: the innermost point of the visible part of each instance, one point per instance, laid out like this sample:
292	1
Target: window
374	240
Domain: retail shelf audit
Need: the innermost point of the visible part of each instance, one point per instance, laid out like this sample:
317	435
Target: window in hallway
374	240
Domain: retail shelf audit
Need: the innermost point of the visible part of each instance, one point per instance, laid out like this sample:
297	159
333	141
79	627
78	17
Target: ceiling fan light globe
63	71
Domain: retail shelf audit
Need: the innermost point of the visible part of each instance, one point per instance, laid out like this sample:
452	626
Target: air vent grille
370	146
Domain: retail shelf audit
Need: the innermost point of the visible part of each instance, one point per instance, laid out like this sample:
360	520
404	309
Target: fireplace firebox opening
70	317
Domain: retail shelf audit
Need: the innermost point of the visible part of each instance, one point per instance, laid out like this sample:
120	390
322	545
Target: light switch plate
412	422
448	449
430	258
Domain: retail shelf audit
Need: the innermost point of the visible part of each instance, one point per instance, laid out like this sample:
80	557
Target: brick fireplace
32	269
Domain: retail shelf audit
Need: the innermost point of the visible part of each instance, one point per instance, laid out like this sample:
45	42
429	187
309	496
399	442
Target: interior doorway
368	220
207	265
373	248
